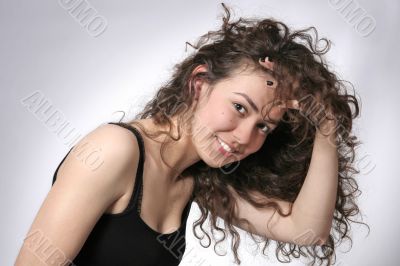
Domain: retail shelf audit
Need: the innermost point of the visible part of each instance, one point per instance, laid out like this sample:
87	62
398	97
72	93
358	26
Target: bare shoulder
92	176
109	150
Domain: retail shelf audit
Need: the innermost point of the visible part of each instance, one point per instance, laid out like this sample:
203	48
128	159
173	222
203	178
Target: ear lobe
197	88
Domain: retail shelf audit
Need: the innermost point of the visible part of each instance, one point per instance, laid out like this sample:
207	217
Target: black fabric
125	239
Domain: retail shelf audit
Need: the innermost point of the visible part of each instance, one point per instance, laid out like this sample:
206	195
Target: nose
242	135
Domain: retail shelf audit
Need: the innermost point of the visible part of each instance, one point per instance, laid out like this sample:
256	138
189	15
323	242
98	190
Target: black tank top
124	239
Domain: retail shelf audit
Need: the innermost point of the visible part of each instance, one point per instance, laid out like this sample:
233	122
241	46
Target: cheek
217	116
223	119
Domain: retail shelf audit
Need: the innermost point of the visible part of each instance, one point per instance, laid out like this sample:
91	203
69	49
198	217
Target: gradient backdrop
83	72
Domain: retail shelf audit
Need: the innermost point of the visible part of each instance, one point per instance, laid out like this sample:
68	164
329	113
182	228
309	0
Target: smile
226	149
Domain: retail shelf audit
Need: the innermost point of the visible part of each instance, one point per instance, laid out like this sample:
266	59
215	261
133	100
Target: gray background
85	78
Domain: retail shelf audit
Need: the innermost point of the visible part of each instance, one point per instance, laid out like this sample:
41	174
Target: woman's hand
311	107
318	115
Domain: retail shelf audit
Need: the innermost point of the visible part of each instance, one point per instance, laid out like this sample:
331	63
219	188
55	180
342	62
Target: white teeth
224	145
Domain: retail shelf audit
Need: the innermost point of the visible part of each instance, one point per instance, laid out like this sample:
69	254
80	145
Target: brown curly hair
279	168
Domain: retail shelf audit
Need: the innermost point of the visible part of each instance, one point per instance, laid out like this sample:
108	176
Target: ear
198	82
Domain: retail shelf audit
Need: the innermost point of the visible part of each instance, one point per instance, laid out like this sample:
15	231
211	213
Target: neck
178	155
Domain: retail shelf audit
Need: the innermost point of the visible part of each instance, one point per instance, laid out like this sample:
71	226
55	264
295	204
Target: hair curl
279	168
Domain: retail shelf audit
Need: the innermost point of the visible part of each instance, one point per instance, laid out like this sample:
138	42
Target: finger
293	104
290	104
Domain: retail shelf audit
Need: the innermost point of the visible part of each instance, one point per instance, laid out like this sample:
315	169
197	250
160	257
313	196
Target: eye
265	127
240	106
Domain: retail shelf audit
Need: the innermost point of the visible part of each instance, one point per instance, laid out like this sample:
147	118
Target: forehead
253	83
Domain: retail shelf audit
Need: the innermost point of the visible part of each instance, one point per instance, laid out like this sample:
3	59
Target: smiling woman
229	131
233	106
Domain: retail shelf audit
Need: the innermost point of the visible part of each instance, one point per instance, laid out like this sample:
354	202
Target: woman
253	127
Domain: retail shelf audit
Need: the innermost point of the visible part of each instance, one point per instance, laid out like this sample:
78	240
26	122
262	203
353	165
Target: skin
228	115
224	113
244	129
73	205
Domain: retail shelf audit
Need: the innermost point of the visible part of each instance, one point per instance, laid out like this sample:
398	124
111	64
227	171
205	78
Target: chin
226	165
210	154
229	167
210	161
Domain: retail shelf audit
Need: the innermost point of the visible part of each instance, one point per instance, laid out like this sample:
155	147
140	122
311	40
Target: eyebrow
249	100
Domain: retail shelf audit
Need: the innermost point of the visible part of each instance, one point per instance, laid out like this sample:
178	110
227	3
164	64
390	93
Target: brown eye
240	107
265	127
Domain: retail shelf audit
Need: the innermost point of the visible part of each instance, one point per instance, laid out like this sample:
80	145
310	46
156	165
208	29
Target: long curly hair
279	168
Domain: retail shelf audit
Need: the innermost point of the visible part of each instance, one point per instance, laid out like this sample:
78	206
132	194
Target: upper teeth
224	145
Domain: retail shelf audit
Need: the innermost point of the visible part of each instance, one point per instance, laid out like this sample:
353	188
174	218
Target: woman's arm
315	204
312	212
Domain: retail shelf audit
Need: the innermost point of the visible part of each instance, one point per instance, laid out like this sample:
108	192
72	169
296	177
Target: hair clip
267	63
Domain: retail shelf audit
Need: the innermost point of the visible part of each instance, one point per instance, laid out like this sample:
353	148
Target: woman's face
232	114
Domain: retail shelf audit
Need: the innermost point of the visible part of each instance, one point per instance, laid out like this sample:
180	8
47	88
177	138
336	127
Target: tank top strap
135	201
59	165
137	195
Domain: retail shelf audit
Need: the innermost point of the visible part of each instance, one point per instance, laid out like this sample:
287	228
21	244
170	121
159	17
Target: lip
221	149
